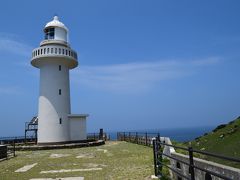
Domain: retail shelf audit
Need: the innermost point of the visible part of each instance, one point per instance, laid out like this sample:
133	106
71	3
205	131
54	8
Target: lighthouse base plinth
64	142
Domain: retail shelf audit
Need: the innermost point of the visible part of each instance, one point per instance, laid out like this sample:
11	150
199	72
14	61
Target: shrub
231	122
219	127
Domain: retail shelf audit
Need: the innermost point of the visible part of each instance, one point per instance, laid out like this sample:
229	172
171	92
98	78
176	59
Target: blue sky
143	64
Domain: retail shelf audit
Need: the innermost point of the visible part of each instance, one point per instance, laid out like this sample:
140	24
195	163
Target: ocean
177	134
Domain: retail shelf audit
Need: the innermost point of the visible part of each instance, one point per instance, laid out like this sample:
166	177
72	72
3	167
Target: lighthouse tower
55	58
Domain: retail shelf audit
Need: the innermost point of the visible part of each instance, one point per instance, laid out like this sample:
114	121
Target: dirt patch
66	178
111	144
103	150
85	156
93	165
125	150
59	155
70	170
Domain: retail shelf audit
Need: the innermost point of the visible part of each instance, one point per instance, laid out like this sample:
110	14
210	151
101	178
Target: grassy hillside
224	139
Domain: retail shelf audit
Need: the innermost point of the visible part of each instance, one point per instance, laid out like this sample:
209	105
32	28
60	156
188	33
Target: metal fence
158	162
143	138
153	140
7	150
98	136
17	139
32	139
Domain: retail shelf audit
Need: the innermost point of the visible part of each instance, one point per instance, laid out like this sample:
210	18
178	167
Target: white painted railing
53	50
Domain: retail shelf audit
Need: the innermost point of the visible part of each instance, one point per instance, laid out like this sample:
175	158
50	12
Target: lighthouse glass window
49	33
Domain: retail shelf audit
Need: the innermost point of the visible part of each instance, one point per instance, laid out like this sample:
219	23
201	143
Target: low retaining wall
58	146
227	171
230	172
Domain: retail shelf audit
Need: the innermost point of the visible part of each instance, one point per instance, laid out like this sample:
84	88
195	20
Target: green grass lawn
118	160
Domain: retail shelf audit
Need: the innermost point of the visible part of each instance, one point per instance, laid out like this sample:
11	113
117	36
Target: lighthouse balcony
56	52
53	50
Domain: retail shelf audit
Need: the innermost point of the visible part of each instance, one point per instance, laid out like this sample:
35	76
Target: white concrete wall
228	171
77	128
53	106
60	34
168	150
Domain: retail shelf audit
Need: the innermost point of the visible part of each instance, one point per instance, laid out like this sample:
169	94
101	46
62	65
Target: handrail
205	170
204	153
136	137
217	155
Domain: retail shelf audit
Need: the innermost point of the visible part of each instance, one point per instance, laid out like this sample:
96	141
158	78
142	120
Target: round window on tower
49	33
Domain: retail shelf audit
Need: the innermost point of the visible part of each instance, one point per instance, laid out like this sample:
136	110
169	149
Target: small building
55	58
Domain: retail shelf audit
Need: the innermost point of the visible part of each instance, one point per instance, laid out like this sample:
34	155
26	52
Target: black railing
153	140
33	139
18	139
143	138
7	150
12	151
98	136
158	150
31	126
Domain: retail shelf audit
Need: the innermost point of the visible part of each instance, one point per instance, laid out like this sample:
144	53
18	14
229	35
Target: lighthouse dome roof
56	23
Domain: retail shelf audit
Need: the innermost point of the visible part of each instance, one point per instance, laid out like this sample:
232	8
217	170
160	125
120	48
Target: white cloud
12	44
9	90
138	76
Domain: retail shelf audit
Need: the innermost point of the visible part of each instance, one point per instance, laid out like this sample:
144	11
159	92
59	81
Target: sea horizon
180	134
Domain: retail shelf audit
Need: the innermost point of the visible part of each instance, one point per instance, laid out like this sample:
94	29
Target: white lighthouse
55	58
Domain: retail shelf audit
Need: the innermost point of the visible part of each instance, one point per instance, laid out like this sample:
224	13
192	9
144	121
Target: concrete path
70	170
66	178
26	168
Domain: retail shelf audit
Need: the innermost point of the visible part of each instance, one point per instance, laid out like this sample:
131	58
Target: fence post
191	163
146	139
136	138
124	136
129	137
154	156
159	155
14	147
25	135
36	137
100	136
